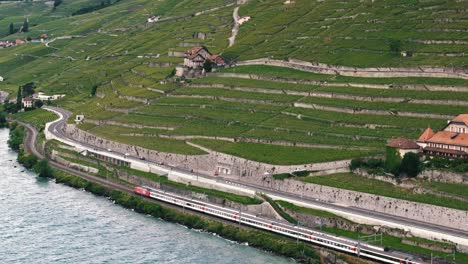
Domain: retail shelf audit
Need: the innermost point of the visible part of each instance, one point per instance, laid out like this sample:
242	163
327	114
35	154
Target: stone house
196	57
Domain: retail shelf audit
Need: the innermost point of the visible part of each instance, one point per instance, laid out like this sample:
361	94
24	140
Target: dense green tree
19	99
410	165
12	29
395	46
57	3
10	107
94	90
38	104
3	121
16	136
28	161
28	89
208	66
392	161
43	169
26	25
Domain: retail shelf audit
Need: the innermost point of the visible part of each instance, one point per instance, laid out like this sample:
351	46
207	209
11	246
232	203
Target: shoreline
267	242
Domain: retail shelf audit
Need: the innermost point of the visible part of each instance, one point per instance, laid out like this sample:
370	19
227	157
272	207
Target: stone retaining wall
362	85
207	163
332	95
368	111
375	72
444	176
408	209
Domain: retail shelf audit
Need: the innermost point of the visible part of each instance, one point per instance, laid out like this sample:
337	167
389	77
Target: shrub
392	161
28	161
410	165
43	169
355	164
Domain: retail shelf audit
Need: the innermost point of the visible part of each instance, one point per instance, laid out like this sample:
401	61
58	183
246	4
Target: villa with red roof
451	142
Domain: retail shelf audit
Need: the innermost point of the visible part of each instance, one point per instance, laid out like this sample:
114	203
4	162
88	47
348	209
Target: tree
26	25
28	89
395	46
19	99
43	169
12	29
392	161
38	104
208	66
93	90
28	161
10	107
3	121
57	3
410	165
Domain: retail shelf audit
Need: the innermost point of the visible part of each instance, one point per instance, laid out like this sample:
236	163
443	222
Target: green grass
280	155
306	210
452	188
114	45
155	143
279	210
38	117
358	183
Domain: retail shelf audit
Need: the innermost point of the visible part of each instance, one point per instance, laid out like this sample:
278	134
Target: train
341	244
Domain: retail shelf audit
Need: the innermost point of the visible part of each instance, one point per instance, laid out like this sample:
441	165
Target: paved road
57	129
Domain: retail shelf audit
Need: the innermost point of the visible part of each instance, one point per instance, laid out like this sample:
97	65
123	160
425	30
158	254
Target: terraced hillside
264	113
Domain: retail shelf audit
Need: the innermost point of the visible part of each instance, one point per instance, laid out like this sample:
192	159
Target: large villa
451	142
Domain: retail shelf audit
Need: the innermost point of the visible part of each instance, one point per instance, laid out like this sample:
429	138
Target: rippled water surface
44	222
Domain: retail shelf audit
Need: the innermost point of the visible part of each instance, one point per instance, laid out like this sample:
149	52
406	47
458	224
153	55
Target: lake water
44	222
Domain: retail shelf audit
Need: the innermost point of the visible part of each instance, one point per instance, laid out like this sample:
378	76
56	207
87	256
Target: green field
279	154
113	52
38	118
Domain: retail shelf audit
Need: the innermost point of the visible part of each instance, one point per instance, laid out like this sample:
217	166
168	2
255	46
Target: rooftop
403	143
450	138
463	118
426	135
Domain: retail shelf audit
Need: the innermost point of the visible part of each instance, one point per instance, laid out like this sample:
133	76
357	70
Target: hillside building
44	97
28	102
451	142
217	60
196	57
403	146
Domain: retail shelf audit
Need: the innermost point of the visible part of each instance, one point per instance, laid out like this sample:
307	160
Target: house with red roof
404	145
451	142
196	57
217	60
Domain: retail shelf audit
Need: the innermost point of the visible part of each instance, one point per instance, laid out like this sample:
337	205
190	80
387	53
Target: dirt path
236	17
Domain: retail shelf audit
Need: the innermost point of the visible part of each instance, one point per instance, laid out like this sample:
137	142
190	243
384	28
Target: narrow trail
236	17
235	29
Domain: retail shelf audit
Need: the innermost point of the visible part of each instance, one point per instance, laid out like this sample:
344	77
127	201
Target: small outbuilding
404	145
